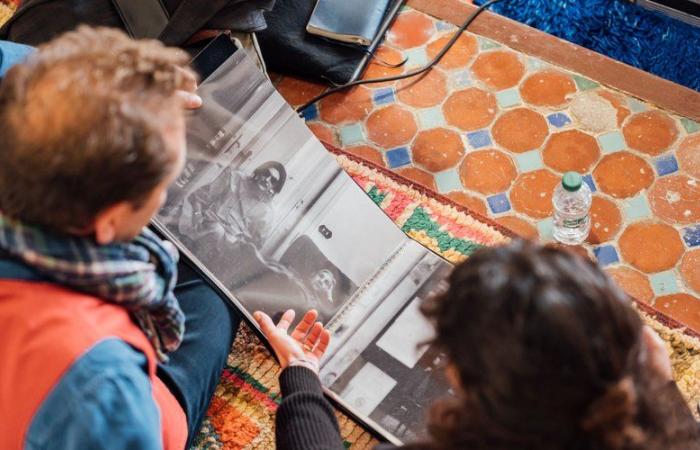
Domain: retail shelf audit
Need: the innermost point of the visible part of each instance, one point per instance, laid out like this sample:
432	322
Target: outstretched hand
303	347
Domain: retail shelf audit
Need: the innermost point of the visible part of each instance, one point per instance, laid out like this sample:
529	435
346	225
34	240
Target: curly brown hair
547	349
82	126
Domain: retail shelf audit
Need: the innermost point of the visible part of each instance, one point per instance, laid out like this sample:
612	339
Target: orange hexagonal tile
411	29
375	69
651	132
685	308
676	198
437	149
391	126
419	176
460	53
368	153
547	88
519	226
323	133
651	247
532	193
470	202
487	171
520	130
634	283
688	155
470	109
498	69
618	102
605	220
424	90
571	150
623	174
690	270
346	107
297	91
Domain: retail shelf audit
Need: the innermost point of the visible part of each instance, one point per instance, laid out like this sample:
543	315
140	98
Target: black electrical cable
410	74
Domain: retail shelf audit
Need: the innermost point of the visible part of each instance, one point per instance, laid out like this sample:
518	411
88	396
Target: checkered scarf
139	275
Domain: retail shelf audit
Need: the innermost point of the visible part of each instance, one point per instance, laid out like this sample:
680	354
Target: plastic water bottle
572	203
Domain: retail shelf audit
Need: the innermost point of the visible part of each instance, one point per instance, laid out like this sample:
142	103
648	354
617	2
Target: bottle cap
572	181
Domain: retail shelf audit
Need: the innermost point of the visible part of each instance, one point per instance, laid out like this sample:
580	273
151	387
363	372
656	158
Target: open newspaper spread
269	216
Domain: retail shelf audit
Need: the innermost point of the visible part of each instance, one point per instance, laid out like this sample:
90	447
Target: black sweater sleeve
305	419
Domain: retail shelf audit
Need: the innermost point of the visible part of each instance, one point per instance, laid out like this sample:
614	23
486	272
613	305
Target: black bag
38	21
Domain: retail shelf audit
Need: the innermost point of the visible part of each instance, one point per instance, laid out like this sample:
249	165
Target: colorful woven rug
242	413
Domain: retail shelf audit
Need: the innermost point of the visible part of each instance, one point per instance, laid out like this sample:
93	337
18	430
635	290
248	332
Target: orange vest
44	328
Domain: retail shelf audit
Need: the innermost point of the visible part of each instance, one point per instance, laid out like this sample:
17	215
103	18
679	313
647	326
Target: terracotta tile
618	102
689	155
605	220
411	29
498	69
375	69
676	198
470	109
634	283
346	107
459	55
685	308
368	153
419	176
487	171
297	91
391	126
651	132
651	247
519	227
520	130
323	133
437	149
623	174
571	150
690	270
470	202
426	90
532	193
547	88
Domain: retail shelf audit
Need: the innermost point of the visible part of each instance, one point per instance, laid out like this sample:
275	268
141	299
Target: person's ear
109	221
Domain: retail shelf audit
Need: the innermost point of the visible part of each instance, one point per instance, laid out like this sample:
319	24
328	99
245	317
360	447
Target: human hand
656	355
187	90
304	347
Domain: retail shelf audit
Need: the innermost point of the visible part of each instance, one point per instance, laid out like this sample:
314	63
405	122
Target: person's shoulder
104	397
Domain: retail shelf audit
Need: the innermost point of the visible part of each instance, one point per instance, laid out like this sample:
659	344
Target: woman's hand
188	89
656	354
304	347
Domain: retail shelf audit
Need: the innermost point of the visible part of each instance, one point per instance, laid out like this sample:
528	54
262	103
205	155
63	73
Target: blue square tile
611	142
479	139
558	120
508	98
529	161
689	125
666	164
448	181
310	113
398	157
606	255
664	283
635	105
691	235
636	208
384	96
431	118
416	57
498	203
444	26
536	64
462	79
585	84
546	229
487	44
352	134
588	179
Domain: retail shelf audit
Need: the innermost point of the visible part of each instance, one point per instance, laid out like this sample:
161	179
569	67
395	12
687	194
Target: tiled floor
494	129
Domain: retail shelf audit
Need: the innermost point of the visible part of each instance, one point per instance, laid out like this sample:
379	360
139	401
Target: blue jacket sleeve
11	54
103	402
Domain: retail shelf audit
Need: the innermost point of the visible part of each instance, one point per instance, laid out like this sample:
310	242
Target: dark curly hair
547	351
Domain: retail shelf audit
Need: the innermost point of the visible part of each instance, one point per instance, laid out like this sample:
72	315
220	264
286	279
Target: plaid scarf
139	275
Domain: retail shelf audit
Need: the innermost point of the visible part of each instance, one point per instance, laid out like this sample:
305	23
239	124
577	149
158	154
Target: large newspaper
266	212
